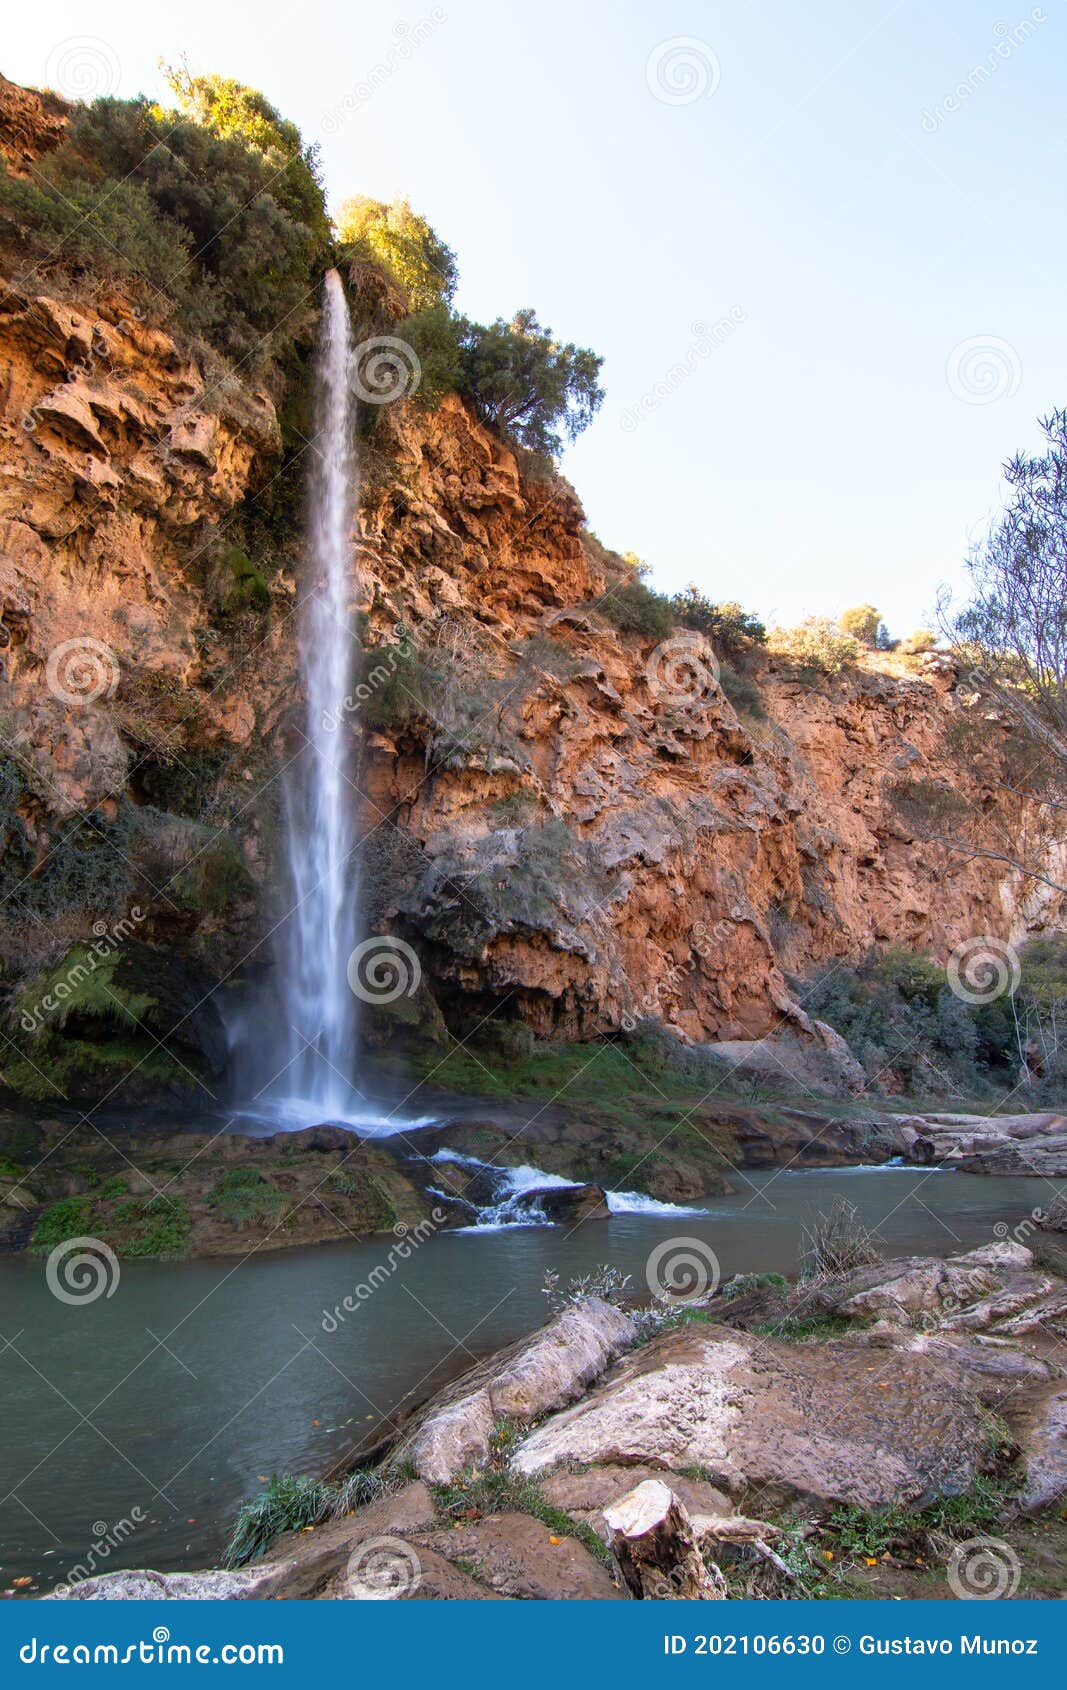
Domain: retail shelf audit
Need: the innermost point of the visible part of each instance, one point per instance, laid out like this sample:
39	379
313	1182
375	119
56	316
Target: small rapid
517	1196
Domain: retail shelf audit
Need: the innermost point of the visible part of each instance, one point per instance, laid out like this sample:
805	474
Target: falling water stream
320	1009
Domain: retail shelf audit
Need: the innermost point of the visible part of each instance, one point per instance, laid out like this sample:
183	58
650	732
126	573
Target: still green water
167	1403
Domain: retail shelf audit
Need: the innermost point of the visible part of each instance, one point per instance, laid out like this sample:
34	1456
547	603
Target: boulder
525	1380
1044	1441
828	1423
566	1204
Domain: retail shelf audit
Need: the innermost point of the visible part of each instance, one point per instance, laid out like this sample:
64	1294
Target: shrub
909	1030
220	212
109	236
923	639
231	110
154	1226
816	645
404	244
727	626
606	1283
69	1218
397	687
742	691
636	609
864	623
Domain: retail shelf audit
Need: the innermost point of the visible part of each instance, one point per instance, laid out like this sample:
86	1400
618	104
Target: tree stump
655	1548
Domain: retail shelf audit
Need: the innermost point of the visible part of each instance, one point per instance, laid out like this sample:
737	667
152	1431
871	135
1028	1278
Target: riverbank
161	1191
879	1429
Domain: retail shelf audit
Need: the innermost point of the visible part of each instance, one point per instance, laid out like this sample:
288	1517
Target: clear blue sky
830	448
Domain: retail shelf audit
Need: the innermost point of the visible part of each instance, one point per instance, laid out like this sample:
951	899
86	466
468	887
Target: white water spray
319	1006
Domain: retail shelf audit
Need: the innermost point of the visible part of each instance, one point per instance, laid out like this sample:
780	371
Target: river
151	1413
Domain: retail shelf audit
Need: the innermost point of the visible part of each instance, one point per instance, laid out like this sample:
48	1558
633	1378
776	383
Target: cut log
655	1548
733	1528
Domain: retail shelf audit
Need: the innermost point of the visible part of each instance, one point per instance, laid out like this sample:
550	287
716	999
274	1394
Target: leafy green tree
526	384
404	243
433	336
637	609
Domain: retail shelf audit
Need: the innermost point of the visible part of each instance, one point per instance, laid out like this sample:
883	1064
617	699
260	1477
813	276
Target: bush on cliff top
817	646
730	628
402	242
215	209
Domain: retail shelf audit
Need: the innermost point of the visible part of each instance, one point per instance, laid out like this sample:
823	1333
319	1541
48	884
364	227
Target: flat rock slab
517	1556
825	1422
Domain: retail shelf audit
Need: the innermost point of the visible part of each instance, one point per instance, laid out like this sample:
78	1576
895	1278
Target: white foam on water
293	1114
515	1184
636	1203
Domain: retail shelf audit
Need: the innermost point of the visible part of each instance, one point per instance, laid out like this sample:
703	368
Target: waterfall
320	797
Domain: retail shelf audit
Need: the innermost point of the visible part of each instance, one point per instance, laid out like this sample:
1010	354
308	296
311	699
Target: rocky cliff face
572	826
611	839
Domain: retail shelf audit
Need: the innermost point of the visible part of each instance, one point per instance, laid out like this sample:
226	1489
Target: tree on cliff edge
1011	644
1015	627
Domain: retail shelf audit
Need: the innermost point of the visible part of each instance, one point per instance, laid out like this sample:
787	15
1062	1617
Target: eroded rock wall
560	828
